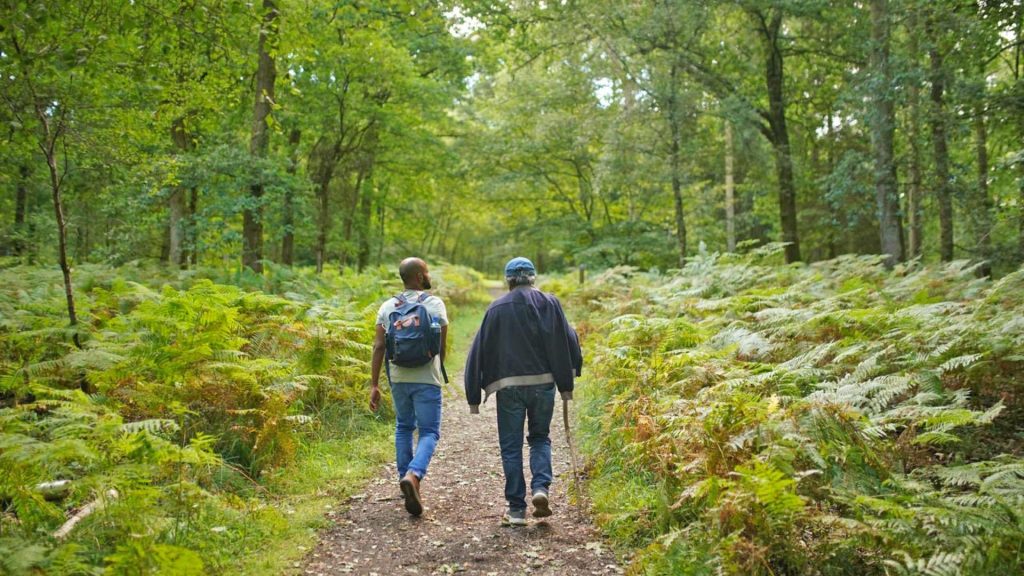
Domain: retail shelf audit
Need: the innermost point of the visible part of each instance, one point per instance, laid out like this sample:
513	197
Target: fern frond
152	426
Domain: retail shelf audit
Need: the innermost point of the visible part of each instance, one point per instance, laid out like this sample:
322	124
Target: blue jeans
416	406
533	404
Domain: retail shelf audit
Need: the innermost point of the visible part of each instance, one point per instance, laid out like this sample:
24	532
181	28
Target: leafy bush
826	419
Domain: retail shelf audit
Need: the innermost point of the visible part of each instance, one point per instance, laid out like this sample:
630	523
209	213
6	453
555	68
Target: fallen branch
54	490
84	513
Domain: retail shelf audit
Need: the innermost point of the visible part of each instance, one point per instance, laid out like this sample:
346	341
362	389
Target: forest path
460	530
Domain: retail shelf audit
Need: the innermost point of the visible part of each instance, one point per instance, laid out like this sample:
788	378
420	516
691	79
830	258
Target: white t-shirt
429	373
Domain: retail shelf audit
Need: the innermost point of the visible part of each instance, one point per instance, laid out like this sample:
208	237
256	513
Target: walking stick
572	449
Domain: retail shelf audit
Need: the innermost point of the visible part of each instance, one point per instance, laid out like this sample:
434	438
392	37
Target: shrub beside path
460	530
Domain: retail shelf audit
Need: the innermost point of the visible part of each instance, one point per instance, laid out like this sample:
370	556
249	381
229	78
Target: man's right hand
374	397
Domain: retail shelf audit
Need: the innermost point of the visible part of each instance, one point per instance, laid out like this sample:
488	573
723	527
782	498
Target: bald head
415	274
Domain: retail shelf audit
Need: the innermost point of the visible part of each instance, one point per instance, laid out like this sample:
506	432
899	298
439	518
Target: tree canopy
576	132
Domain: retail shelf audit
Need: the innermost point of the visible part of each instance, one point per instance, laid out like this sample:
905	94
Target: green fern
821	419
198	392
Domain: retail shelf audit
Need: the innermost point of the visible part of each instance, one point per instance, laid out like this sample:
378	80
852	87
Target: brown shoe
541	506
410	486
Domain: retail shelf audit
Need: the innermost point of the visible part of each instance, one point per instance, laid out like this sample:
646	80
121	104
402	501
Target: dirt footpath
460	531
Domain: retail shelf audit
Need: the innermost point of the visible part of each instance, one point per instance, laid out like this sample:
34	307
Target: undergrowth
746	417
207	422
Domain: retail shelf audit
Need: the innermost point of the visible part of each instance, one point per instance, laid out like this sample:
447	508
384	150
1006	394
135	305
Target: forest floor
460	531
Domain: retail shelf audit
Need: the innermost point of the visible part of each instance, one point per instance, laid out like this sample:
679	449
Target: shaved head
414	273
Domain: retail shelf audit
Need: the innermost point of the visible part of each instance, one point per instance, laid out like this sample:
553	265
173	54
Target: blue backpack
411	338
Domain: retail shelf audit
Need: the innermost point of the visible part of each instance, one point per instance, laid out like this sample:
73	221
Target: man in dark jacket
525	349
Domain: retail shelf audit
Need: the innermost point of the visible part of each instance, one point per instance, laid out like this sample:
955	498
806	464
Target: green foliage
828	419
182	417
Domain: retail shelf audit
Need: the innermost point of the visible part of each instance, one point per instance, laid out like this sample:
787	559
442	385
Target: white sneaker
541	507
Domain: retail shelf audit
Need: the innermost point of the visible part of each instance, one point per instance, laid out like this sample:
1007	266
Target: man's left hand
374	397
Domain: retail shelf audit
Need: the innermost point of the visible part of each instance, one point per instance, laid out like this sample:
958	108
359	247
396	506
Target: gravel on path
460	531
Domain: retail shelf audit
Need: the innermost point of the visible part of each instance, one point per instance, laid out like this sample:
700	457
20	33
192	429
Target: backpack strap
420	300
423	298
387	363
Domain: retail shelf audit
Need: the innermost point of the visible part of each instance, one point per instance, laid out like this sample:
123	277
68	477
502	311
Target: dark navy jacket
524	339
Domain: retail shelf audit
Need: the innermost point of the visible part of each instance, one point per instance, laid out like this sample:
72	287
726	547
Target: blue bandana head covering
519	266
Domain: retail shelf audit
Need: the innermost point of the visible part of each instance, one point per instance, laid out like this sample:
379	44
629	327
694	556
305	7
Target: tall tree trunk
62	243
915	192
1020	196
943	186
1020	201
815	144
288	240
327	155
676	162
323	222
883	132
771	29
836	215
730	191
191	253
165	245
352	197
1017	61
176	203
981	209
381	215
914	187
366	211
20	207
48	144
455	247
428	239
266	74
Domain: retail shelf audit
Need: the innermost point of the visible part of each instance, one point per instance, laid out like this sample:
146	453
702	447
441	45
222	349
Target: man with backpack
411	333
525	349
